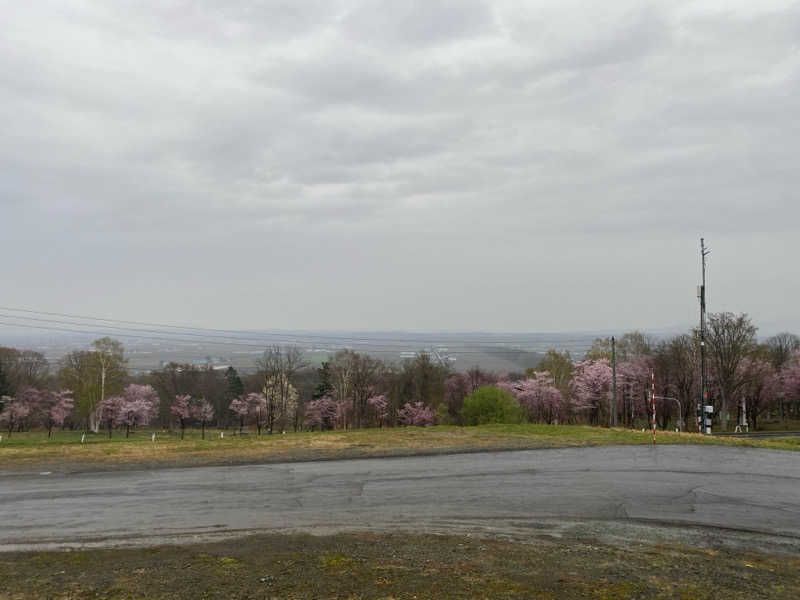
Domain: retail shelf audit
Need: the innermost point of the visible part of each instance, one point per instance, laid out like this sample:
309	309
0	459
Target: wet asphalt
735	488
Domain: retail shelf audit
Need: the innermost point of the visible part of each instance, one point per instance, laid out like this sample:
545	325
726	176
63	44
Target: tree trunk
202	430
724	410
95	422
182	428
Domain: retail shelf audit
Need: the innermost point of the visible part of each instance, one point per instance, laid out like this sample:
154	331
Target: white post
744	416
653	401
83	437
153	438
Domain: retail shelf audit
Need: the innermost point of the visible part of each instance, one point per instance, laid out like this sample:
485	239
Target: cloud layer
465	165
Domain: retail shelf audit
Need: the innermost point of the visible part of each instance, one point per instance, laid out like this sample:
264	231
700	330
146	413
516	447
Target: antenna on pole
703	421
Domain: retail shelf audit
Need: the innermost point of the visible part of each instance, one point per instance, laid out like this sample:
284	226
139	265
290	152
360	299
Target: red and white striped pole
653	401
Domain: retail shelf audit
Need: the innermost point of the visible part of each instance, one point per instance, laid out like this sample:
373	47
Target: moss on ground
399	567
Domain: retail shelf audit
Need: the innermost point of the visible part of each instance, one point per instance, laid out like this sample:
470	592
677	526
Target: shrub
416	414
489	404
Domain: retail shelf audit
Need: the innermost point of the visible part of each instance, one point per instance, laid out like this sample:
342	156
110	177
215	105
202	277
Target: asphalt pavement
752	490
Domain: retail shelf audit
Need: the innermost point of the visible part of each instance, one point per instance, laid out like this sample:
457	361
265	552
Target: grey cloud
418	22
409	147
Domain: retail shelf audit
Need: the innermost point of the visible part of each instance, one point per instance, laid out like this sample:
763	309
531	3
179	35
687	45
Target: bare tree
478	378
79	373
365	374
679	358
278	367
759	391
559	365
341	368
631	345
109	354
731	339
23	368
782	347
175	379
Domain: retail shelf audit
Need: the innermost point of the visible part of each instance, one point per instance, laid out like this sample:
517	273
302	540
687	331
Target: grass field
401	566
65	450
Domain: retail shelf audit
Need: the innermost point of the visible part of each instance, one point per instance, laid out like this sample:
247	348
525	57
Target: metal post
680	408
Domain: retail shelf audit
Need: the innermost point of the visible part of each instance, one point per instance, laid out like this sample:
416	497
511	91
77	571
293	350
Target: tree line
93	389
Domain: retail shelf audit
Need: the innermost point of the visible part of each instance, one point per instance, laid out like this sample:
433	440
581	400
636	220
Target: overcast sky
435	165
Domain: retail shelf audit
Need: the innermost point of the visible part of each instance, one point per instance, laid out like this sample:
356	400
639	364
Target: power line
445	337
260	346
120	332
235	339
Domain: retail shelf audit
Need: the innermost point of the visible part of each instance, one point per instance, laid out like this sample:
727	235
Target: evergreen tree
324	387
235	385
5	387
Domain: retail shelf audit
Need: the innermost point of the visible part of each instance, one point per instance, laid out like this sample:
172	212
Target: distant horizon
34	331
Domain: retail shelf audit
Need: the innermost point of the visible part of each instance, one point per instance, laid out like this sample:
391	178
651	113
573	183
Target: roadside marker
653	401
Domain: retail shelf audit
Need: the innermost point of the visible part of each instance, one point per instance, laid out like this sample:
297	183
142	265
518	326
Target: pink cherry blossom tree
257	409
240	407
761	386
251	406
418	413
321	413
182	409
36	403
138	407
203	412
54	408
379	406
539	398
591	386
344	412
108	411
633	387
789	380
14	412
456	387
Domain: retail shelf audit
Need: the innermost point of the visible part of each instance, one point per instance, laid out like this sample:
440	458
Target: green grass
401	566
28	449
787	425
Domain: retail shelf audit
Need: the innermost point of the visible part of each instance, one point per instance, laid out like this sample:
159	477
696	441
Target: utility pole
613	382
703	421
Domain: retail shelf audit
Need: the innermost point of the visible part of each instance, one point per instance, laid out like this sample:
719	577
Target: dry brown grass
27	450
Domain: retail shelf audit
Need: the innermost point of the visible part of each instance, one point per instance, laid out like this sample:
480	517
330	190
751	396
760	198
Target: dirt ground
356	566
